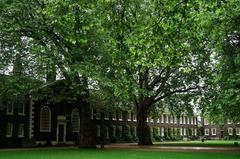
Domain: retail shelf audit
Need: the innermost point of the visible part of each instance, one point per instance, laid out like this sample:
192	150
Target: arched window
45	119
75	120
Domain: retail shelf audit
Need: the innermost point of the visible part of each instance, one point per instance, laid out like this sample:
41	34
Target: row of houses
40	121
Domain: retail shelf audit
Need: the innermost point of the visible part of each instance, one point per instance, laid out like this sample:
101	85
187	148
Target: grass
215	143
111	154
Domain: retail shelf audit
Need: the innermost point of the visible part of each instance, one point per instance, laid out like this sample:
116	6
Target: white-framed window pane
134	117
237	131
114	130
10	108
106	115
129	117
21	130
206	131
9	130
230	131
45	119
214	132
114	115
21	108
75	120
120	116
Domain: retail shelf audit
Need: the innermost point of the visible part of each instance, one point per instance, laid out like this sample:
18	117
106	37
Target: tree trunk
87	135
87	131
143	130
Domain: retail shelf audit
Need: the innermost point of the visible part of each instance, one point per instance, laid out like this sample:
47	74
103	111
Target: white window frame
78	120
162	131
21	130
23	109
98	114
114	116
107	132
230	131
175	120
9	130
237	131
181	131
214	131
162	116
49	129
229	121
185	131
206	132
106	115
120	128
206	122
167	118
134	117
180	120
120	116
114	130
129	116
10	112
171	119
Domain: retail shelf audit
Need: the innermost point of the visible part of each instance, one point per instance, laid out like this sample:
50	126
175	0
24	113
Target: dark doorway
61	133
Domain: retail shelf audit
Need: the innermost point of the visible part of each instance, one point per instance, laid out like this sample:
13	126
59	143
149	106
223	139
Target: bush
128	138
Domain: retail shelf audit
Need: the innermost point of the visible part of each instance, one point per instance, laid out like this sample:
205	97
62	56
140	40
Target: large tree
157	50
58	34
222	100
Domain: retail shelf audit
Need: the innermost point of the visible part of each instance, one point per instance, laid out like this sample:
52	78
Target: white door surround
61	121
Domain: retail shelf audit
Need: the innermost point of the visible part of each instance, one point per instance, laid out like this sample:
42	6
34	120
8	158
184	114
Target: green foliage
223	99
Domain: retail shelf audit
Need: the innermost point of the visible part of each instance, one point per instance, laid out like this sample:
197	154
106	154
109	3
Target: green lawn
217	143
111	154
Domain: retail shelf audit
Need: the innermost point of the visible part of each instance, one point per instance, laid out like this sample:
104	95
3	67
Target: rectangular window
129	117
229	121
184	120
237	131
21	130
205	122
114	130
162	121
151	120
158	120
166	118
106	116
162	131
184	131
120	131
114	115
171	119
134	117
214	132
230	131
120	116
98	130
10	108
92	113
175	119
134	131
107	133
98	114
9	130
21	109
207	132
181	131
